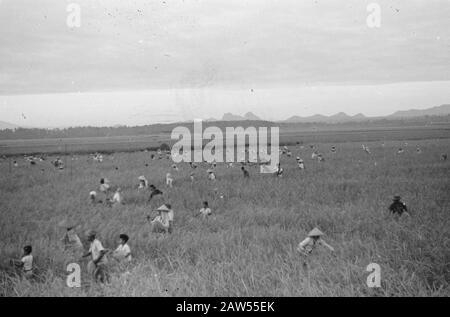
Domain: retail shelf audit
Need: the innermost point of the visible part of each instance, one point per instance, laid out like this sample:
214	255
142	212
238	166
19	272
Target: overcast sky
143	61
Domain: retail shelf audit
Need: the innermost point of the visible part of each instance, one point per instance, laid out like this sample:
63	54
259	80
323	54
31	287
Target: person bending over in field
154	192
161	223
117	198
97	265
26	262
398	208
71	242
314	239
123	251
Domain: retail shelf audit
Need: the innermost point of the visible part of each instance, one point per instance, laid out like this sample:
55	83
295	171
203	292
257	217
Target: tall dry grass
248	247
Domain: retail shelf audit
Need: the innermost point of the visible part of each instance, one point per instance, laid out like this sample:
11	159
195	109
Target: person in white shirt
205	211
117	198
97	266
211	175
314	239
26	262
123	251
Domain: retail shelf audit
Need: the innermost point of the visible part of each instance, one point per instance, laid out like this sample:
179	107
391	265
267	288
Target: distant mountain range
343	117
340	117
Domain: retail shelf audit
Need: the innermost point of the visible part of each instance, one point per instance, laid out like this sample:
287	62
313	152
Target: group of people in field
163	222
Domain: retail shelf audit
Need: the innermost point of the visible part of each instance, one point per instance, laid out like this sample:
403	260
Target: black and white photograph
205	152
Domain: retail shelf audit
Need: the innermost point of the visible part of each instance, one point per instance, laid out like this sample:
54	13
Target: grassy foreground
248	247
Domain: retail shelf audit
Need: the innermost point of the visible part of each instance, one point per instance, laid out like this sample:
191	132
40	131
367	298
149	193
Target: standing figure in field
398	208
418	150
143	183
314	239
26	262
97	265
245	172
192	176
104	188
169	180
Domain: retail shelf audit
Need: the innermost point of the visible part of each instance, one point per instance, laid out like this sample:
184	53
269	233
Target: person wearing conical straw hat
161	223
71	241
313	240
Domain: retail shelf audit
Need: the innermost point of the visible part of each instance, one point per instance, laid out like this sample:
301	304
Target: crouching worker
26	262
123	251
314	239
161	223
97	266
398	208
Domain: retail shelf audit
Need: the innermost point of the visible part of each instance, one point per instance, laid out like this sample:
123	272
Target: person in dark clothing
398	208
246	173
154	192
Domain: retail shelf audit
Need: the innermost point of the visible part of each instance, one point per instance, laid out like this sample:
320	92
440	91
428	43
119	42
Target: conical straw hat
163	208
315	233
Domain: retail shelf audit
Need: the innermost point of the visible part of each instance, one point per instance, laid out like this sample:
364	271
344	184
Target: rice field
248	247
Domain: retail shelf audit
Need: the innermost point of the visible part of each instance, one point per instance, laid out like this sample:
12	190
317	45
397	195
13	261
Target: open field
248	247
289	135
